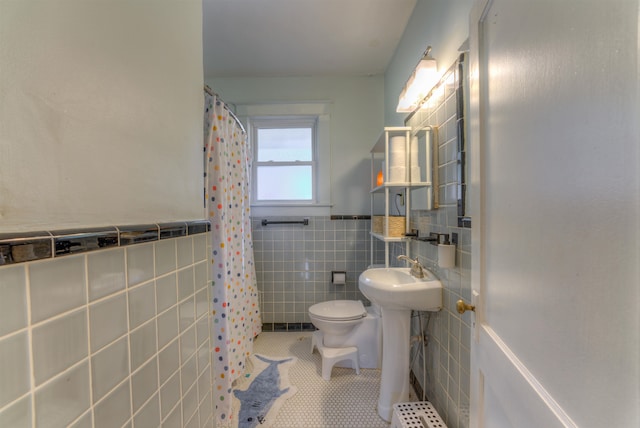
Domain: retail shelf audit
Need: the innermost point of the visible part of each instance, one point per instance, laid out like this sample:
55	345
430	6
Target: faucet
417	270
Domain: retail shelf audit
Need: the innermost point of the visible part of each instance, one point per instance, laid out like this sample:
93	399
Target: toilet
346	324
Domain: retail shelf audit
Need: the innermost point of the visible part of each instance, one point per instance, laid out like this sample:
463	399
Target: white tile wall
169	361
165	256
109	367
14	367
185	252
108	320
59	344
18	415
63	399
149	415
106	273
187	344
166	294
174	419
187	313
140	266
85	421
144	383
185	283
111	338
143	343
170	394
13	290
56	286
142	304
167	324
115	409
200	246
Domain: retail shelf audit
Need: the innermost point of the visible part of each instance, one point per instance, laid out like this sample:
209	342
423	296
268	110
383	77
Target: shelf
424	158
379	154
393	131
398	185
388	238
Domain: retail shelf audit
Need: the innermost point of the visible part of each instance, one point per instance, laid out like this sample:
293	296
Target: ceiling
251	38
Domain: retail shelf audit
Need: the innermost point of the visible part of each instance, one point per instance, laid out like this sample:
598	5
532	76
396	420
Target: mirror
441	117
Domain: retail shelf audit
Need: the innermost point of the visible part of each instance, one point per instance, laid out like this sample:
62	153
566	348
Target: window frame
284	122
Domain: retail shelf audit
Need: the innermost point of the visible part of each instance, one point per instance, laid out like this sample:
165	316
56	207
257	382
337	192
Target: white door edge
519	384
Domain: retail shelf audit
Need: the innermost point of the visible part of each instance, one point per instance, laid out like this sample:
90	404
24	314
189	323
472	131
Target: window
311	115
285	160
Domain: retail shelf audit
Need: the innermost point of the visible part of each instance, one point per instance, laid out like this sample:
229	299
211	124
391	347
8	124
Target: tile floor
346	401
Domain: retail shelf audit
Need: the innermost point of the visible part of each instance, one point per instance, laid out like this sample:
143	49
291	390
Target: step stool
331	356
316	340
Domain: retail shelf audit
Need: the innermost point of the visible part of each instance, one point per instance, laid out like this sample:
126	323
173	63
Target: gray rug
263	391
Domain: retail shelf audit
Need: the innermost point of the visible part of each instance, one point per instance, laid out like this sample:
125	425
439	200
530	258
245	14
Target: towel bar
266	222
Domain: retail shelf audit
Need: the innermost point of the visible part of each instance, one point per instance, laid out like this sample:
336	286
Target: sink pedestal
397	293
394	383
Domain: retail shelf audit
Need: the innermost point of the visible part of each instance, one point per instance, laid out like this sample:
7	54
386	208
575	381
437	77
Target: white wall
100	113
356	121
442	24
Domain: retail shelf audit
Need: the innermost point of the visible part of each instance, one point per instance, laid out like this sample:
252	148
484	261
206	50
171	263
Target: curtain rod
210	91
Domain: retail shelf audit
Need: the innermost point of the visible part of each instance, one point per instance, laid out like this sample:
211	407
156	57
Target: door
555	208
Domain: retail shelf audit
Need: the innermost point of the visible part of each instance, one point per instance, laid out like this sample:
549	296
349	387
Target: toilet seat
338	310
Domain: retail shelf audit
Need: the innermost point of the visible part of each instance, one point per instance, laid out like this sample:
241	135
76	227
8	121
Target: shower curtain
236	314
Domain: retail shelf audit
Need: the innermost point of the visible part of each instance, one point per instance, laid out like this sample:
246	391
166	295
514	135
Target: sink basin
398	293
395	288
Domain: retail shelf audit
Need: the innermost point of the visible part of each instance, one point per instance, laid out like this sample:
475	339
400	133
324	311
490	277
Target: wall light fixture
423	78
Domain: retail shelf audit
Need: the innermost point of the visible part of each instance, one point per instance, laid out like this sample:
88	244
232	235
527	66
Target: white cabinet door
555	207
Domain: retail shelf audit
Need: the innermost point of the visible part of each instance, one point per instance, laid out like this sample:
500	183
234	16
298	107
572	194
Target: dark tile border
20	247
25	247
80	241
138	234
280	326
307	326
288	326
350	217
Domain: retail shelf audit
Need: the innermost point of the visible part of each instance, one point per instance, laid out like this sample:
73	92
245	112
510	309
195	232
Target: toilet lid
339	310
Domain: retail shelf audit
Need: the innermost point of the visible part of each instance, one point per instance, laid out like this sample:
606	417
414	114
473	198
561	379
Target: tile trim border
288	326
351	217
20	247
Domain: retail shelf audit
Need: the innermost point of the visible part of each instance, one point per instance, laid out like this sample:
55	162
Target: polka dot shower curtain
236	315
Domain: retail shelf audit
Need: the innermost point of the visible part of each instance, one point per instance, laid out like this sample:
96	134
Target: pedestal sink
398	293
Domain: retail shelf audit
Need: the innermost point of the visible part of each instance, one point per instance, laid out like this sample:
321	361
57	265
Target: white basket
416	414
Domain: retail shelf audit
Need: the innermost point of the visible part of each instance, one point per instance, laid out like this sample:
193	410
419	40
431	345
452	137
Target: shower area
235	311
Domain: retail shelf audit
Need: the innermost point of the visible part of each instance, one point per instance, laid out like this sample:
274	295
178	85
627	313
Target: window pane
284	183
284	144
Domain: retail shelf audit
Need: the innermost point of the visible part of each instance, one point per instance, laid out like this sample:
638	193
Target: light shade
423	78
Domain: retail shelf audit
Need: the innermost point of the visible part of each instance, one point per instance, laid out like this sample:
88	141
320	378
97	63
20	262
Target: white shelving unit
380	154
